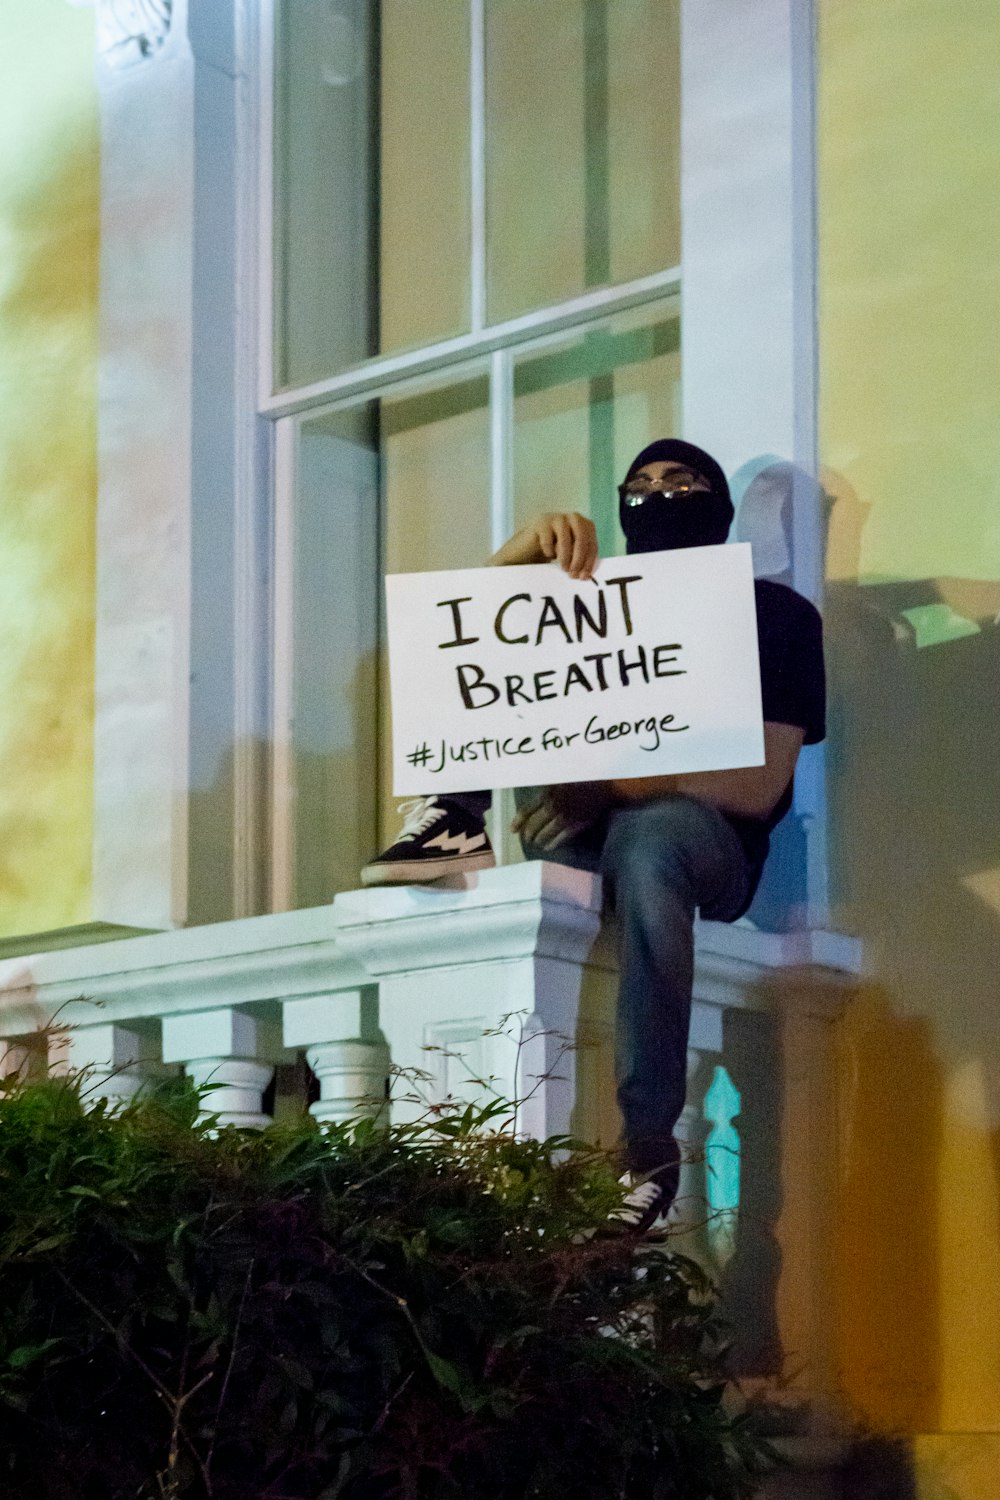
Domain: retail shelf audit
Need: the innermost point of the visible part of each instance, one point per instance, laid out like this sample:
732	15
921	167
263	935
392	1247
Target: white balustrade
690	1209
501	985
220	1053
15	1058
344	1049
481	986
115	1060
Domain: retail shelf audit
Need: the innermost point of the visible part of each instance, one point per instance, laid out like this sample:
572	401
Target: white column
219	1048
747	252
15	1057
180	539
113	1059
144	467
748	289
463	972
690	1208
344	1049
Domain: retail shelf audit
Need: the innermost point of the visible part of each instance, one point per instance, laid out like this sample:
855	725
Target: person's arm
749	792
567	537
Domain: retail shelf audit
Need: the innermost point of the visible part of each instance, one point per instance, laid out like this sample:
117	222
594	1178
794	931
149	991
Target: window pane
371	181
583	410
583	112
427	457
436	478
335	645
325	187
414	469
436	501
425	287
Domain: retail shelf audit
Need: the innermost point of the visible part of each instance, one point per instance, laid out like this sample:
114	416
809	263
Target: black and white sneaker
438	838
643	1209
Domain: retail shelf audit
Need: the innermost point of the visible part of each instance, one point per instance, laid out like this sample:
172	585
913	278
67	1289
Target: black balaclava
663	523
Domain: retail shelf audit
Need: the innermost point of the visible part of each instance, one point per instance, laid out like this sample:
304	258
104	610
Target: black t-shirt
793	691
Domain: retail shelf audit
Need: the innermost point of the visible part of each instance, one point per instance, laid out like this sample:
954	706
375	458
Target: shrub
348	1312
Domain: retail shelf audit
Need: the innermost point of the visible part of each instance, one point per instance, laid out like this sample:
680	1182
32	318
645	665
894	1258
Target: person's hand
561	812
568	537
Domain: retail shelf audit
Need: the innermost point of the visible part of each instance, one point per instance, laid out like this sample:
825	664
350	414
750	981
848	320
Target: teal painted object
722	1149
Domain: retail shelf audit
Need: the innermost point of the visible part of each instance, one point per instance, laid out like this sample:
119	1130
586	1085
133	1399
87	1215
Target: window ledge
528	911
807	947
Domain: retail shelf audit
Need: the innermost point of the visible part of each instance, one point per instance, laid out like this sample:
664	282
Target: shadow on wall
914	791
340	827
48	490
333	800
765	490
887	1232
913	774
914	788
878	1469
749	1280
914	796
874	1469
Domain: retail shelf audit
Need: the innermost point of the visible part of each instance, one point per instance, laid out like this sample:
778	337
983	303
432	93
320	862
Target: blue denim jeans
660	862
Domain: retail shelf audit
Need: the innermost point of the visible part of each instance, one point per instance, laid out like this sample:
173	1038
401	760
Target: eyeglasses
681	482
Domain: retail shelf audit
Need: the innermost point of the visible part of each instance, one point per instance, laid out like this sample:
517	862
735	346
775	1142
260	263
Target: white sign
524	676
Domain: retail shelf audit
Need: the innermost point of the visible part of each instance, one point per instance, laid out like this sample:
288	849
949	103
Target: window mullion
501	526
251	603
265	200
283	669
428	359
477	163
501	446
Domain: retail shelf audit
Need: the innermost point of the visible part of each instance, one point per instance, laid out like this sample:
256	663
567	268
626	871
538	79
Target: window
473	318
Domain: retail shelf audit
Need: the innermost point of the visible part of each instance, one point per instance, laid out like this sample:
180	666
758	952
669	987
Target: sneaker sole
407	873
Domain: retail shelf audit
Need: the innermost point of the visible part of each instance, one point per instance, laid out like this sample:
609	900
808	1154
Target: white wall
748	288
182	546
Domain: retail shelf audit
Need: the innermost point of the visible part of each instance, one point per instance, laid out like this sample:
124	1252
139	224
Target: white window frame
748	250
496	345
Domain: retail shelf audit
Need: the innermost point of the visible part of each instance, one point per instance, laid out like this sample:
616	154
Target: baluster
219	1050
345	1050
16	1057
722	1165
113	1061
690	1208
352	1078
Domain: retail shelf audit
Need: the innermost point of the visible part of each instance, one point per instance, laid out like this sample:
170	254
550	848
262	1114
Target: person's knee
656	842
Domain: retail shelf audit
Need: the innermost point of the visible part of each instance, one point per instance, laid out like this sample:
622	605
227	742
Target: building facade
304	291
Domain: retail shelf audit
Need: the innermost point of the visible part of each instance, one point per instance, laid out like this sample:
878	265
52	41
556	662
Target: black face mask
665	523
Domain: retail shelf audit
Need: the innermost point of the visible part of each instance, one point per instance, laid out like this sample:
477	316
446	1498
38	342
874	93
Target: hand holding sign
524	676
564	537
560	812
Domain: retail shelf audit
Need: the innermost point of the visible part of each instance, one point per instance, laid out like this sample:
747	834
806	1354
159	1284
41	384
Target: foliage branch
349	1312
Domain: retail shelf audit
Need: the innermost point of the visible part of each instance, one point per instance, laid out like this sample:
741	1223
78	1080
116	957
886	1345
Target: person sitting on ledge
665	846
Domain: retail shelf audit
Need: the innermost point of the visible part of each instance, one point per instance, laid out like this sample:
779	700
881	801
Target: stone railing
504	982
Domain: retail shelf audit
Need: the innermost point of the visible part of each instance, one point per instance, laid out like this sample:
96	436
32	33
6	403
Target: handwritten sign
524	676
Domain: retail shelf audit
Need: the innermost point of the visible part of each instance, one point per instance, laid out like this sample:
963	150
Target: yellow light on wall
49	224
